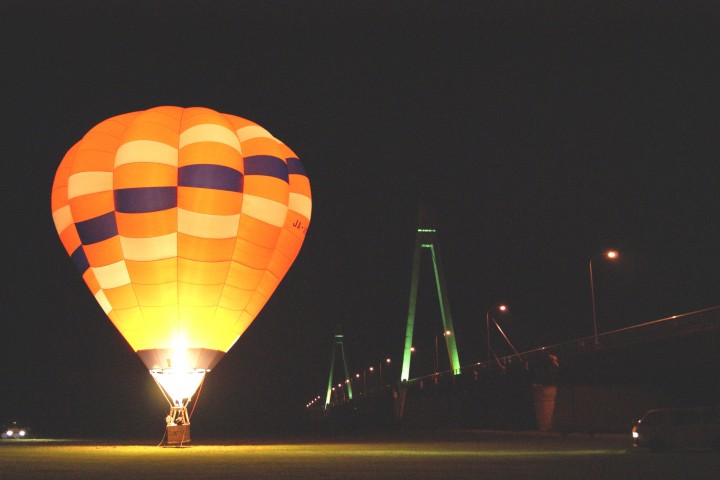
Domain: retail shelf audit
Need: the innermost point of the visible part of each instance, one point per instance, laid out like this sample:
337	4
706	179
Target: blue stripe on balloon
266	165
80	260
217	177
295	167
97	229
146	199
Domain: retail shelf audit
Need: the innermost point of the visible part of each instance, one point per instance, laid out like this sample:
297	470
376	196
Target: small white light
21	433
635	435
9	433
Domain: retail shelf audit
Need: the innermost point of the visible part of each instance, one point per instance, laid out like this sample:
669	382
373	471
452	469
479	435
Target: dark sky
540	133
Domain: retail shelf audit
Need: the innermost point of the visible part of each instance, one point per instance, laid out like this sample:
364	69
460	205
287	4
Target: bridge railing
691	323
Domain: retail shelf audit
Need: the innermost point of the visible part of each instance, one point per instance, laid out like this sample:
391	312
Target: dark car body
678	428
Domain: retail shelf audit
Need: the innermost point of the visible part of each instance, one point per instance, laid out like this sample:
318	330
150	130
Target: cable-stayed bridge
598	383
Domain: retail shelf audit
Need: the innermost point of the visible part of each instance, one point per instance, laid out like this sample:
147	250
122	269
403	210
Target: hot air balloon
182	222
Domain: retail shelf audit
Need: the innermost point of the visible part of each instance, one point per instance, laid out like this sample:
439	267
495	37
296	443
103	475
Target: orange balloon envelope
182	222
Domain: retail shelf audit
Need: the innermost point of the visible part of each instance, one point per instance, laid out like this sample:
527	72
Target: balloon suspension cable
197	397
162	440
162	390
178	420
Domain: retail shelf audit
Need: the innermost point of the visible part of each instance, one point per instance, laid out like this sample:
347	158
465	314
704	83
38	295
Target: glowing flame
179	385
179	380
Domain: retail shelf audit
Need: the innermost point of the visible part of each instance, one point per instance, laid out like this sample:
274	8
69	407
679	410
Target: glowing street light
611	255
500	308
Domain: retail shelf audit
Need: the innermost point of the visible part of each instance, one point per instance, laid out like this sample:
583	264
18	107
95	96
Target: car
14	431
678	428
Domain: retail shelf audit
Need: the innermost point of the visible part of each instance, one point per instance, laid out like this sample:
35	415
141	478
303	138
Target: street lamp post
502	308
387	360
436	355
612	255
446	333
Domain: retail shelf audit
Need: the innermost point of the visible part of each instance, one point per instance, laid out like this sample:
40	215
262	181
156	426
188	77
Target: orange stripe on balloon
104	253
267	187
70	239
205	249
210	201
211	153
139	175
145	225
154	272
91	206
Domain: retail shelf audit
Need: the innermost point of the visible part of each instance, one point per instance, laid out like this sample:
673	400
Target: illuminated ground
467	455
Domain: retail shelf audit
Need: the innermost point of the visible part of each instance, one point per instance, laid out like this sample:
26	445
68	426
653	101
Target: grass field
485	455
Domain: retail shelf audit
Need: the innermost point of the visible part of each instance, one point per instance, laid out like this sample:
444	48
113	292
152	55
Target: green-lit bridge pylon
338	342
427	238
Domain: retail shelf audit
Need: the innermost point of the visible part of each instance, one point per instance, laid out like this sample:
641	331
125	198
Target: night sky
539	134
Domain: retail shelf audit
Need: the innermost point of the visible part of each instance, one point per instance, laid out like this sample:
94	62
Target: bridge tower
338	345
426	238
